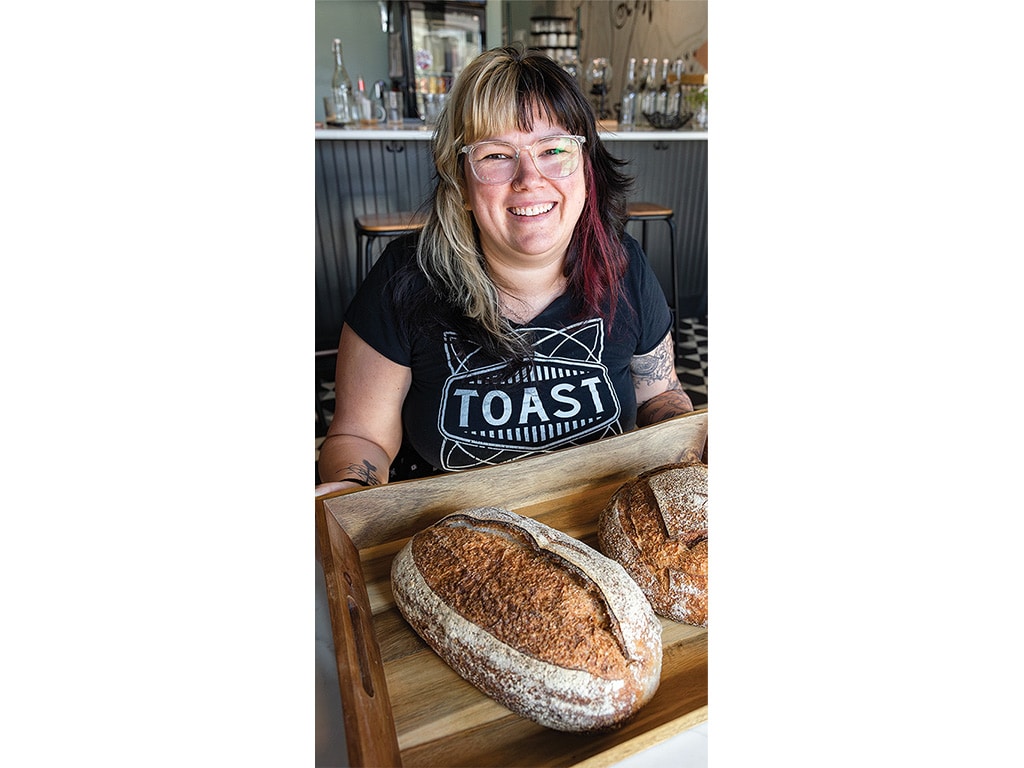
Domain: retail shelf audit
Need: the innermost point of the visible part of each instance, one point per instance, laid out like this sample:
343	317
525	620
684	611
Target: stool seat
641	211
370	226
400	222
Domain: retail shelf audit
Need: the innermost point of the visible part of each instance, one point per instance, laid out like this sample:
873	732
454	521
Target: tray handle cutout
359	631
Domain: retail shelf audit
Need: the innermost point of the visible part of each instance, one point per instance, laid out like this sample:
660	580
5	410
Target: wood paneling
354	177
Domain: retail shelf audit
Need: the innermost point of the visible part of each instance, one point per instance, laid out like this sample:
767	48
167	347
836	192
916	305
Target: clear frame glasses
497	162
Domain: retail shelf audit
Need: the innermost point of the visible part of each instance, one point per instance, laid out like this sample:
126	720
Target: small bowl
668	122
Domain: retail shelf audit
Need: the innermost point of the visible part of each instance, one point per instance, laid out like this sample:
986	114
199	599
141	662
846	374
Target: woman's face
529	219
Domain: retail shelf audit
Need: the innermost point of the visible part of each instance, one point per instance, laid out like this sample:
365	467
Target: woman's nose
527	174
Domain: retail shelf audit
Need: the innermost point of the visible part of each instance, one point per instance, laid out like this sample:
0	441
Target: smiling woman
522	319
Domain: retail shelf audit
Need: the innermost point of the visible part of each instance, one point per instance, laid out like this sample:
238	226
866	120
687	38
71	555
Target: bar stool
645	212
371	226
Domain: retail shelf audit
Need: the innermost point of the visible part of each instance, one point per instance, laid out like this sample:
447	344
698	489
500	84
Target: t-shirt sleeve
652	306
371	314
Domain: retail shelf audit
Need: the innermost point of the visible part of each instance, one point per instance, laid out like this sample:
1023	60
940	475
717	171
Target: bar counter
416	131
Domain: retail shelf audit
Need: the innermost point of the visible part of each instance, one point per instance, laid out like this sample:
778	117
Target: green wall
364	44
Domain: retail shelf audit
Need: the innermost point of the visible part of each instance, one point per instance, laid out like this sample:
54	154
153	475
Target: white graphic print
567	395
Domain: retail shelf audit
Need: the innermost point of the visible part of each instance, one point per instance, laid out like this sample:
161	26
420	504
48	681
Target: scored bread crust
586	660
656	527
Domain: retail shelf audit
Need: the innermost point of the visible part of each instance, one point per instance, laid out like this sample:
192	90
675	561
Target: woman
522	319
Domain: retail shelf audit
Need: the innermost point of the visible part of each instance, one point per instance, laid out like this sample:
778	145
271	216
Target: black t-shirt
458	415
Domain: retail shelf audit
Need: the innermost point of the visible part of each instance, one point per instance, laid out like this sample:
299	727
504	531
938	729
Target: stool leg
674	271
674	267
367	257
359	258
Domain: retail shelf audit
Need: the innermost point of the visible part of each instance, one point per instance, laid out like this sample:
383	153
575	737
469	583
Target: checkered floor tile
692	358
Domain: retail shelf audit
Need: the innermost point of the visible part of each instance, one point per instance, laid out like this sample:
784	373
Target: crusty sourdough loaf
540	622
656	527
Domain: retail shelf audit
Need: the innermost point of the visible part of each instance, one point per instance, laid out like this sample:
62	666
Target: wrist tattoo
363	473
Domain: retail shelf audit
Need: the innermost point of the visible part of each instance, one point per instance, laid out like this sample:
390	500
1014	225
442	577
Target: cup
370	112
433	103
395	108
337	110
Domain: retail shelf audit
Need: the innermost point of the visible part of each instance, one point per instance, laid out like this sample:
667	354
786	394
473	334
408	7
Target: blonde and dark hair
500	90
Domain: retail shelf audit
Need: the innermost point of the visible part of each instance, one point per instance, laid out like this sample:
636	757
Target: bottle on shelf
341	100
661	100
650	89
599	80
675	85
628	107
641	90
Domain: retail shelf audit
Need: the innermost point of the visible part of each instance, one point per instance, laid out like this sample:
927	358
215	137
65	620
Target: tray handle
370	734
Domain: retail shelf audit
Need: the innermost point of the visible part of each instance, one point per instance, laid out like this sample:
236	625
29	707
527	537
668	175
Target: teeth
533	210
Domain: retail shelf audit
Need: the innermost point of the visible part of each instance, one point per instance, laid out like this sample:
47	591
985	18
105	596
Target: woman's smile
532	210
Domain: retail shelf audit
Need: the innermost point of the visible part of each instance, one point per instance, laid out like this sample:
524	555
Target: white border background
864	184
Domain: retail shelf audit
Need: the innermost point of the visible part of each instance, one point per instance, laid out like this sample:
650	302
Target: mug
370	112
433	103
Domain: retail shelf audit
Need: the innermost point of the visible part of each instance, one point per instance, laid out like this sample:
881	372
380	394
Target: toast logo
564	397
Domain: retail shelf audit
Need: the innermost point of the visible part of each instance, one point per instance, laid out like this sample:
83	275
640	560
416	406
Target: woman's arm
366	431
659	395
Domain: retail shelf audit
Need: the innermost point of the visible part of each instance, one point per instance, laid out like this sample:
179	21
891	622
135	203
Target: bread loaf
656	527
540	622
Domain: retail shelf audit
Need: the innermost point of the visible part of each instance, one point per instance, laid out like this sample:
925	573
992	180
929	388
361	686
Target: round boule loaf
537	620
656	527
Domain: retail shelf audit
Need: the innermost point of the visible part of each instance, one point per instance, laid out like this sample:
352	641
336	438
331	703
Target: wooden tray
404	706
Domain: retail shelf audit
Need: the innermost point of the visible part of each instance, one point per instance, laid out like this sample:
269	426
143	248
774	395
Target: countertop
416	131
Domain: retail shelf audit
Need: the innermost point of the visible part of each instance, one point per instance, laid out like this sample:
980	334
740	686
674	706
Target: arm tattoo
655	365
658	366
364	472
672	402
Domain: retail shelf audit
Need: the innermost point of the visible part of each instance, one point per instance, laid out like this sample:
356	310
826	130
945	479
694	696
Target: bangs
511	98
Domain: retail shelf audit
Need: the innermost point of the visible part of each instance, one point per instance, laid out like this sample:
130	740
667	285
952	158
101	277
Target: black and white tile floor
692	359
691	367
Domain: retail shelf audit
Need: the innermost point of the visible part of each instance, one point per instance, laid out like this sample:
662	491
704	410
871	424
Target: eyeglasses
497	162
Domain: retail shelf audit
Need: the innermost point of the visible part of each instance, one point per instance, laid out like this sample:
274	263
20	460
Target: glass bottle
341	87
627	110
599	78
641	90
661	101
650	89
675	92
